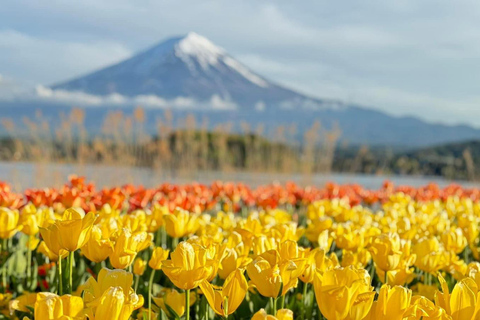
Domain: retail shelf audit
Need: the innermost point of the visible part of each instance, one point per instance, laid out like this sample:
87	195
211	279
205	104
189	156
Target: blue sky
409	57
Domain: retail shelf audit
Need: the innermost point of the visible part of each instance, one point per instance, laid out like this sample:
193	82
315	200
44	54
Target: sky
415	58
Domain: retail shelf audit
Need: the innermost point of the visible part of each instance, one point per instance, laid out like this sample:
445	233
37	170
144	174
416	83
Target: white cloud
149	101
218	103
44	93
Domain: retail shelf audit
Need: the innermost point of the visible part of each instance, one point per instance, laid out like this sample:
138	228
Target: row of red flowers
196	197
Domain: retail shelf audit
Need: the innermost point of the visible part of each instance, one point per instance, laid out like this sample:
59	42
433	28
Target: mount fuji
191	68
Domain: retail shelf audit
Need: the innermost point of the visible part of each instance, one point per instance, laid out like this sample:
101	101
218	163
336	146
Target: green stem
274	306
137	279
206	310
466	257
386	276
150	285
71	258
158	237
304	299
310	307
60	276
4	267
282	302
174	243
29	266
164	237
187	305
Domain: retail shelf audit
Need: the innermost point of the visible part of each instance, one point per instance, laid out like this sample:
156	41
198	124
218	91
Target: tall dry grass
124	141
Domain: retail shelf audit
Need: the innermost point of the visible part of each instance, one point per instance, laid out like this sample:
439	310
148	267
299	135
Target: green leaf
17	265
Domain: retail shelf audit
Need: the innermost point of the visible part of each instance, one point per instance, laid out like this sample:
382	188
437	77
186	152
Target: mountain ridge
191	67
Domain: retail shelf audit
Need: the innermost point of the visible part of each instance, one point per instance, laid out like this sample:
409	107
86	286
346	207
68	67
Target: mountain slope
190	67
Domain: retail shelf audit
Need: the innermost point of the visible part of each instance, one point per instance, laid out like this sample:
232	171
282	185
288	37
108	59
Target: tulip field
229	251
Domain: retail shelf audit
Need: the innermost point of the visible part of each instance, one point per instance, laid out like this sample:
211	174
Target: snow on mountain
191	67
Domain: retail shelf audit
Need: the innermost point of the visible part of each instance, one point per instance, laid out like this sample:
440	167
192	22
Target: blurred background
153	91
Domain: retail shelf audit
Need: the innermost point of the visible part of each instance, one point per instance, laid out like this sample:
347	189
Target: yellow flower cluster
400	259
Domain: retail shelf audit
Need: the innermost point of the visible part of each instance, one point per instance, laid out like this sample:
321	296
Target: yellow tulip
32	242
230	262
423	309
286	231
139	266
115	304
262	244
158	256
74	229
400	276
349	239
264	273
343	293
97	249
316	228
188	266
358	259
325	240
431	256
127	246
30	219
425	290
174	300
154	219
442	298
107	278
249	229
462	303
316	261
72	232
49	306
392	303
469	225
225	300
282	314
23	302
134	221
143	313
291	264
9	225
181	223
5	299
215	253
454	240
45	250
361	306
463	300
51	239
386	251
111	291
473	271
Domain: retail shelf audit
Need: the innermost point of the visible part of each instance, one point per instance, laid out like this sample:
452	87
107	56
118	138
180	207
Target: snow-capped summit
190	67
194	46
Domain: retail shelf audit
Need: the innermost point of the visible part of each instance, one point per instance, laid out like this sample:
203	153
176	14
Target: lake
38	175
